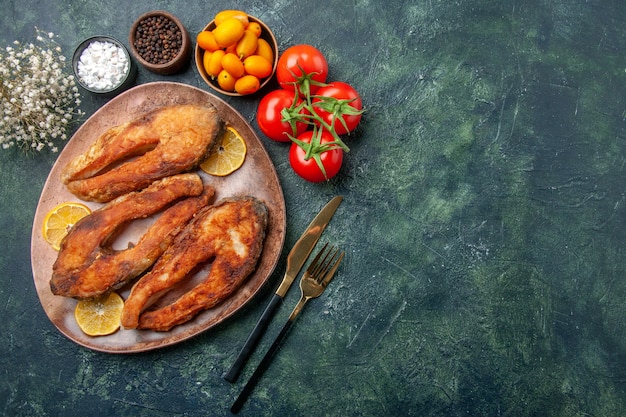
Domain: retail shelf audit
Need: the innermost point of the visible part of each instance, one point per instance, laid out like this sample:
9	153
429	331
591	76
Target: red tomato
303	64
270	119
339	105
309	169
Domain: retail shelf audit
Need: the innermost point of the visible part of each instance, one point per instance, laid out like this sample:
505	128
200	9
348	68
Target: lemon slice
100	316
60	220
229	155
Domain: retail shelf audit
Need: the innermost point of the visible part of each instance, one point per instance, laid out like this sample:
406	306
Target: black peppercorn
158	39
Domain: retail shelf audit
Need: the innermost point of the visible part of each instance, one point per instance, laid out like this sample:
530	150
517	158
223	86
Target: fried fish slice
229	234
87	266
166	141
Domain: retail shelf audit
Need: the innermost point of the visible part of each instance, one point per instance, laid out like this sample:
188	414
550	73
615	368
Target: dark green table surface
483	220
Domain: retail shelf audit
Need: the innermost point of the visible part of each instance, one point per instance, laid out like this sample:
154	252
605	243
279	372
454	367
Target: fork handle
253	339
260	370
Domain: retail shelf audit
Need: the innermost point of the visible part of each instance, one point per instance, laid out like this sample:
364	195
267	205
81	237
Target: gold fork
313	283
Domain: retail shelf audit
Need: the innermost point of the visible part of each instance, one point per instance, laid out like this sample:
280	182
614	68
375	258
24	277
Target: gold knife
296	258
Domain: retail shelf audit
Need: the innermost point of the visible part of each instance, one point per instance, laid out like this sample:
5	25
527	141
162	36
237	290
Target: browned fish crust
230	235
87	266
169	140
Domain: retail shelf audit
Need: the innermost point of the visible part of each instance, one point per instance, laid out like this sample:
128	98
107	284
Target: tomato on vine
271	114
304	102
302	65
339	105
315	156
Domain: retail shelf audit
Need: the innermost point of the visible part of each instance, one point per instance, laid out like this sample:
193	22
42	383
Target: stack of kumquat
235	54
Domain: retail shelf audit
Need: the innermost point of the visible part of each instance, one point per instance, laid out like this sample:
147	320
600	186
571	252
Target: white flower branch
39	96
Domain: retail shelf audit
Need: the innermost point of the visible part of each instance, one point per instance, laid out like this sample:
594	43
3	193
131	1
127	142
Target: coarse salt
102	65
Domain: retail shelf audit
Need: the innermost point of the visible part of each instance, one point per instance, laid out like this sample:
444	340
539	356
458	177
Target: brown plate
257	177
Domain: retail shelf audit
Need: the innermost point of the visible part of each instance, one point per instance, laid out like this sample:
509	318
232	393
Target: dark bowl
174	64
266	34
87	82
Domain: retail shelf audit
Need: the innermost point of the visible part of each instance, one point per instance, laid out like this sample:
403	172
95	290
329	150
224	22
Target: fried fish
166	141
87	266
229	236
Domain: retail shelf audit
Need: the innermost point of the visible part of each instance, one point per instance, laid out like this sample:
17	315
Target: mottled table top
483	219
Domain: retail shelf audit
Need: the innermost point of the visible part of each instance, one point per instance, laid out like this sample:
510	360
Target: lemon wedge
100	316
228	156
60	220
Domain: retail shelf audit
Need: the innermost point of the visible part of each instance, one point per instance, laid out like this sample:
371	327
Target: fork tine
322	267
315	262
329	276
326	263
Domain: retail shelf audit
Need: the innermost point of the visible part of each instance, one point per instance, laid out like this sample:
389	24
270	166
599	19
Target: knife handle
253	339
260	370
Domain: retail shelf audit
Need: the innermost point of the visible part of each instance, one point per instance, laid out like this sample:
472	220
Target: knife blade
296	258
